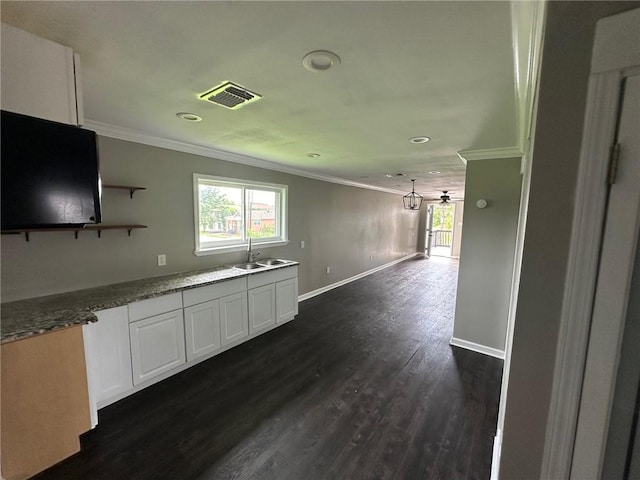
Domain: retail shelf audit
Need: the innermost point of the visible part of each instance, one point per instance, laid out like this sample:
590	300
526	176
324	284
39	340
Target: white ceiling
440	69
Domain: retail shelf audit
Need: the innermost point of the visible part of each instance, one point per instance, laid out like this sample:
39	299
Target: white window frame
236	245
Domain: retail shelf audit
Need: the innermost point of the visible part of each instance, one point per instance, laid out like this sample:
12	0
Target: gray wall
487	250
342	227
565	68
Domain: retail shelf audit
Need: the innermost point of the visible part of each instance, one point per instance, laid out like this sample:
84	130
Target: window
229	211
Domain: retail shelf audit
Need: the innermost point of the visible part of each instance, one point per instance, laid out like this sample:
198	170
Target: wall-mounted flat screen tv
50	174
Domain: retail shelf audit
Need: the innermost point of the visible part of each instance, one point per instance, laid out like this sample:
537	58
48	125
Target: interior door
612	295
429	230
622	454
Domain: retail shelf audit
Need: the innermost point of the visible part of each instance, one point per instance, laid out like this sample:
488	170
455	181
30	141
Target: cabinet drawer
260	279
154	306
211	292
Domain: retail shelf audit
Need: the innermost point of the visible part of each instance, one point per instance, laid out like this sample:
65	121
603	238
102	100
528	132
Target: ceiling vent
230	95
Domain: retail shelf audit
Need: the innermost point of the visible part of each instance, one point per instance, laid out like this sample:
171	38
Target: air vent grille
230	95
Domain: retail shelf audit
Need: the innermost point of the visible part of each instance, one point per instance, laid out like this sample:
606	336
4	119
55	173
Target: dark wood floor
362	385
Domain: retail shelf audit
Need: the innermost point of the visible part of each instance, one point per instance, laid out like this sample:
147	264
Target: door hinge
614	158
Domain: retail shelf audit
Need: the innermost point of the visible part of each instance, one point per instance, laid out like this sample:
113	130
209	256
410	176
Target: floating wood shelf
95	228
125	187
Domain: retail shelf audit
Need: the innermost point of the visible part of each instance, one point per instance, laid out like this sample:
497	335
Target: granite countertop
24	318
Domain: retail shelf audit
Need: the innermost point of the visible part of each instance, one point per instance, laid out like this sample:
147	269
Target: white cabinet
157	339
108	357
262	308
133	346
284	282
234	322
202	329
40	78
215	316
157	345
286	300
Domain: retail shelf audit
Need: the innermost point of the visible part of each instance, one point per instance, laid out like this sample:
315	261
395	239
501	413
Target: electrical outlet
301	243
370	257
328	270
162	260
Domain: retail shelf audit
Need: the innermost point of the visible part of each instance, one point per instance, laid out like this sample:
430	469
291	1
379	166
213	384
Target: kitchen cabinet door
262	308
157	345
234	322
108	355
40	78
286	300
202	329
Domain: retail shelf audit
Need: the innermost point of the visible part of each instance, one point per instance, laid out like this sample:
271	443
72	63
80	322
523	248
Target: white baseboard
476	347
495	460
313	293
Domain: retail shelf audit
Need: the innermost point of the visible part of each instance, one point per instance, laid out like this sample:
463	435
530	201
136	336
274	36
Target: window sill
239	248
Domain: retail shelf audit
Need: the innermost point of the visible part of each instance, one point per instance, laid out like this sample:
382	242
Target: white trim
131	135
476	347
235	245
584	251
495	458
527	20
617	259
92	373
490	154
326	288
239	248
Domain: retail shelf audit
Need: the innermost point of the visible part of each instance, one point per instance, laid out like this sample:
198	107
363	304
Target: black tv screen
50	174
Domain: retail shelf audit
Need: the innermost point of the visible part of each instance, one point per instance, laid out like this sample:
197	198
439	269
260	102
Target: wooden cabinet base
45	406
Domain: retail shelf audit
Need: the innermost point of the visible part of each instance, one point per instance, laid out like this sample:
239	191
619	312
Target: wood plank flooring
361	385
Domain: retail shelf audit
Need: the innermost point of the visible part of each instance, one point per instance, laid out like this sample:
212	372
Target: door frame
615	53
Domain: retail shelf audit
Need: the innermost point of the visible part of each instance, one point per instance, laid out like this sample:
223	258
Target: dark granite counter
24	318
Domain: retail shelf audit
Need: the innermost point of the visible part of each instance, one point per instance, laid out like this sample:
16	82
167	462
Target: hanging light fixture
413	200
445	198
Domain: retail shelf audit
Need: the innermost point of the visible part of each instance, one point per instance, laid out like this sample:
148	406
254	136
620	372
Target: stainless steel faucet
250	255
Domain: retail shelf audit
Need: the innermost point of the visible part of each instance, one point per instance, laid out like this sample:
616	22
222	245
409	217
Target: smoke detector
230	95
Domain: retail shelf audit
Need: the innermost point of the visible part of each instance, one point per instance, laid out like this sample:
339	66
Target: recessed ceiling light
313	155
419	139
320	61
189	117
433	172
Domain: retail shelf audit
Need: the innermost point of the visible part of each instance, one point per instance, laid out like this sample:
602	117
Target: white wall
342	227
486	254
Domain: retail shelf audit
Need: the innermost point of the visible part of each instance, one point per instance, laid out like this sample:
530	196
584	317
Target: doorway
444	226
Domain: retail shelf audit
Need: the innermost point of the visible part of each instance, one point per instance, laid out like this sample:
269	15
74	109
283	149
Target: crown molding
136	136
490	154
527	21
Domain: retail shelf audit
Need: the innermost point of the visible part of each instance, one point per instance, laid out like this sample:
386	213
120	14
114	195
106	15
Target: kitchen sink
248	266
271	261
